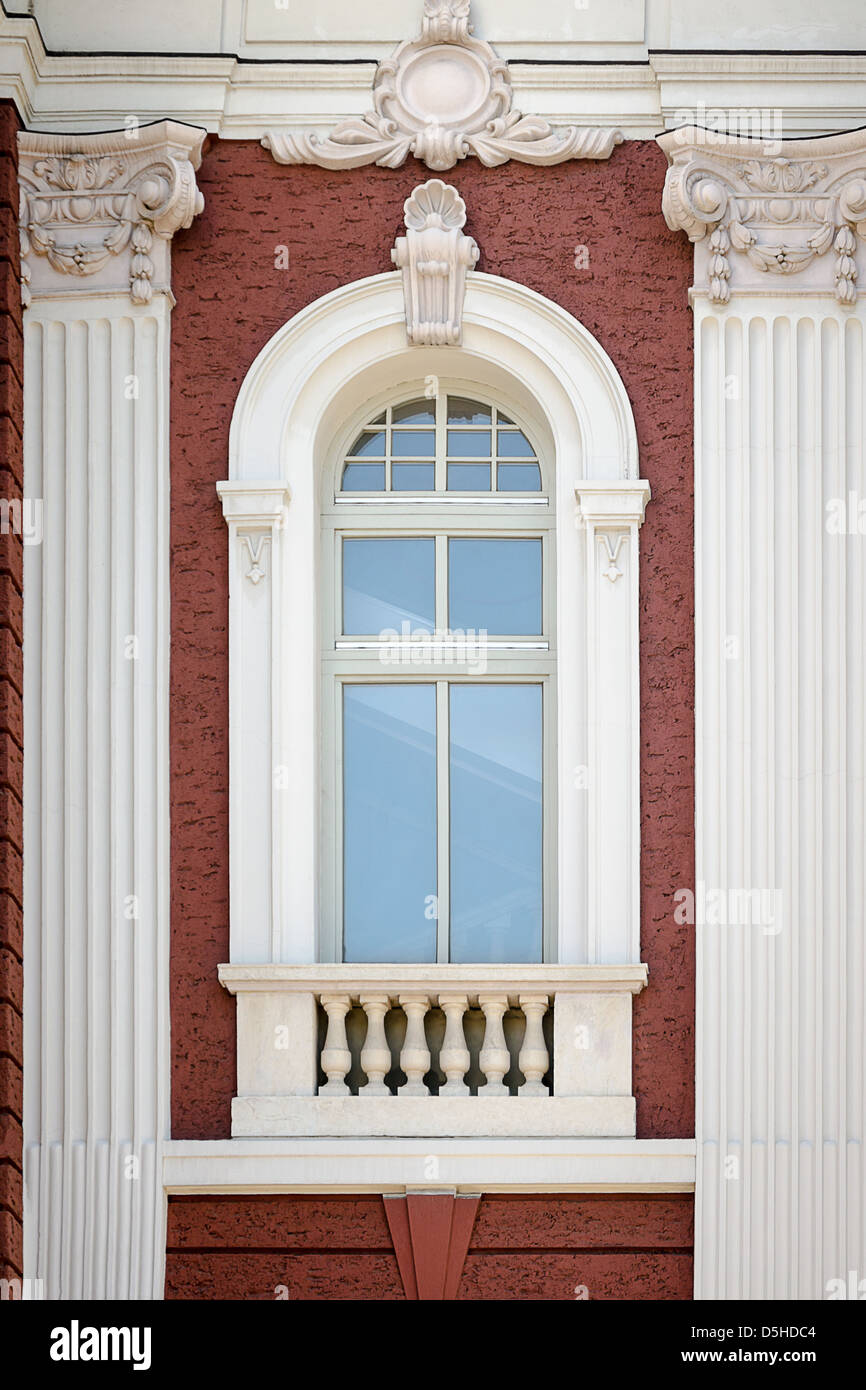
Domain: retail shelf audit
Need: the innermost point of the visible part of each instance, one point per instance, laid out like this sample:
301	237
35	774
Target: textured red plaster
231	299
521	1248
11	735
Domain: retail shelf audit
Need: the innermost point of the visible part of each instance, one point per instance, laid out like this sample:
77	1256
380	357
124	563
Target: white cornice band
800	93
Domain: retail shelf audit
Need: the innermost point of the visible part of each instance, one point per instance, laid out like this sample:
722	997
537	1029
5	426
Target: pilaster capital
97	212
757	209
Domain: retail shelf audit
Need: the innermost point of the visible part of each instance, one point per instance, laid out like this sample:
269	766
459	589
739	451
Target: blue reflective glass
518	477
514	445
465	412
473	444
387	583
364	477
496	823
495	585
412	477
469	477
413	444
389	823
414	413
369	445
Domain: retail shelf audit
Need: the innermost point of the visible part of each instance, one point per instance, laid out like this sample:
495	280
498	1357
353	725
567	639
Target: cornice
759	208
97	212
240	99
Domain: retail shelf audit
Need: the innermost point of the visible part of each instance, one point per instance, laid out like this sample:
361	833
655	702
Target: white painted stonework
96	651
611	67
442	96
781	755
434	257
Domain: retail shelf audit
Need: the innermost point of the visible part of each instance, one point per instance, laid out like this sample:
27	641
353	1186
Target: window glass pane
503	419
496	823
495	585
514	445
370	444
469	477
473	444
415	413
464	412
387	583
412	477
413	444
389	822
518	477
364	477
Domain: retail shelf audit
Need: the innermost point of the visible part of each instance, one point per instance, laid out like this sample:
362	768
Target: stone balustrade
367	1050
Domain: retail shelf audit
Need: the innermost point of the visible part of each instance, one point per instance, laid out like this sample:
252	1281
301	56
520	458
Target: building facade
431	651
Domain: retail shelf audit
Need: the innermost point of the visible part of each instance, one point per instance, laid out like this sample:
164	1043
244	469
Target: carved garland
732	199
442	97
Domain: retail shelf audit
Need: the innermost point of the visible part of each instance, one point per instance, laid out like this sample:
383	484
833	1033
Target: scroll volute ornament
441	97
782	207
434	257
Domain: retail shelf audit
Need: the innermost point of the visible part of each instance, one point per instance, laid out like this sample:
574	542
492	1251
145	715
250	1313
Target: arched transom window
444	444
439	658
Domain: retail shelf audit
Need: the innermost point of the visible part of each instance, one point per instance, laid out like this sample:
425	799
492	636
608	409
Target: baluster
375	1054
454	1056
495	1059
534	1060
336	1057
415	1057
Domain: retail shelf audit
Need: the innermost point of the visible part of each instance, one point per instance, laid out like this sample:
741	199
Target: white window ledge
250	1166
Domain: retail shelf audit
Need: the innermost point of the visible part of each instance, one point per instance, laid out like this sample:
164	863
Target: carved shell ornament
442	97
434	256
782	213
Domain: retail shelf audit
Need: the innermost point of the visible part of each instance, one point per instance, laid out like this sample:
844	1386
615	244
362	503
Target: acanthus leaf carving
85	200
471	113
434	256
781	213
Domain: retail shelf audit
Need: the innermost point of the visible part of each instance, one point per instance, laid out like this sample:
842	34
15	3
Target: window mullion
441	584
440	476
443	821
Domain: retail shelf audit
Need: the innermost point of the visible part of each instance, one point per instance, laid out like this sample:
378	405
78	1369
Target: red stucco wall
522	1248
231	299
11	735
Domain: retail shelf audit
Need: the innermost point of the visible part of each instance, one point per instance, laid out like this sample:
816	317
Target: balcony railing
383	1050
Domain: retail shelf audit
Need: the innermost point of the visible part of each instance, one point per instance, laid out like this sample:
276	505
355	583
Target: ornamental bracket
434	256
441	97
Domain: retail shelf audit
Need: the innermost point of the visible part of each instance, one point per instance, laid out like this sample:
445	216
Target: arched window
438	685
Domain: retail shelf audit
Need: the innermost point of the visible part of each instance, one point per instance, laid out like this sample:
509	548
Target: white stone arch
293	406
358	332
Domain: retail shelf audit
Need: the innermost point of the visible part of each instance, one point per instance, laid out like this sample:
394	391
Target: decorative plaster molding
434	257
782	211
105	205
442	97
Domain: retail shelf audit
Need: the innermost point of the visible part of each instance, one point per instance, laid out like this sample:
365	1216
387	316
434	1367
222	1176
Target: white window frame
348	660
324	368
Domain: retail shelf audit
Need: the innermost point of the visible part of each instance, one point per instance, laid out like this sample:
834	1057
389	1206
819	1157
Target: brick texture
11	743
